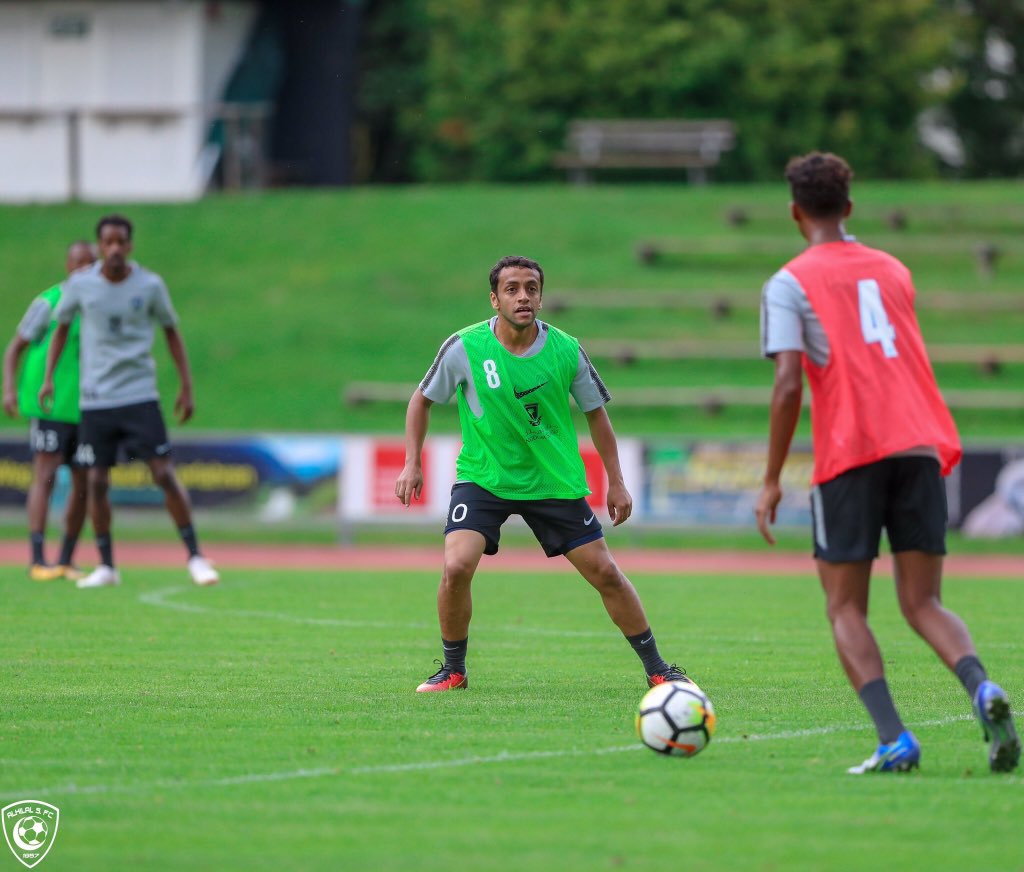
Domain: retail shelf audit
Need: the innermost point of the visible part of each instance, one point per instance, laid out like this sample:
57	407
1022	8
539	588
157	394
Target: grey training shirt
117	366
788	323
36	320
451	369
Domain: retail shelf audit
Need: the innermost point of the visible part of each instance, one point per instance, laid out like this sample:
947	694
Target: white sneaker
101	576
202	571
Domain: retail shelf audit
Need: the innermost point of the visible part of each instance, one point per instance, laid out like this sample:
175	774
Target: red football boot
670	673
444	679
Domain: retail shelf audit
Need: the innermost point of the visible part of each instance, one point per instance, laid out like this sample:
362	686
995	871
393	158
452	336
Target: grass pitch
270	723
288	297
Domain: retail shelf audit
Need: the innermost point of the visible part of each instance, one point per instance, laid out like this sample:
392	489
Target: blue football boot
993	710
900	756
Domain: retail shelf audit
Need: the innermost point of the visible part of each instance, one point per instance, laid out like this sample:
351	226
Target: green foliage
391	76
501	83
987	106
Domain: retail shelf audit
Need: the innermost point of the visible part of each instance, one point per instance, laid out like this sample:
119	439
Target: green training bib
65	376
524	445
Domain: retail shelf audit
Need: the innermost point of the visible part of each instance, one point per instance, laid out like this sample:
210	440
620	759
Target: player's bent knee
164	478
457	572
607	577
844	610
914	611
98	486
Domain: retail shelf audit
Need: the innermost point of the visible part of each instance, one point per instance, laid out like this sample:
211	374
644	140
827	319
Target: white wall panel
159	65
140	159
34	160
19	59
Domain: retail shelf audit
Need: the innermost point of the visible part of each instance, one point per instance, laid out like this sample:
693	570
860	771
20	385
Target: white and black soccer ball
675	718
32	831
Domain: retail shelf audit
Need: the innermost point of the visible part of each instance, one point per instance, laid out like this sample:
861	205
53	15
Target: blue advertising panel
265	471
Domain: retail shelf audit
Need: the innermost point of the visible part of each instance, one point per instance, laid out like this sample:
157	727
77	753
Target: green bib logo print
30	827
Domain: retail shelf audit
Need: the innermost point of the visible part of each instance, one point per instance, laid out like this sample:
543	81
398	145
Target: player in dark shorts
119	300
843	314
513	376
53	436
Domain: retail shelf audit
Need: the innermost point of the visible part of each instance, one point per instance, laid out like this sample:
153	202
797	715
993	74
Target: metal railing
242	152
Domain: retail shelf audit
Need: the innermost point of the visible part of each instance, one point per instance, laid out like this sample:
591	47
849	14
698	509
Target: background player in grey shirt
118	301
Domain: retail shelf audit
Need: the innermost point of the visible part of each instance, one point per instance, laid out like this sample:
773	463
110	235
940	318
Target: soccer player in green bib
53	434
513	376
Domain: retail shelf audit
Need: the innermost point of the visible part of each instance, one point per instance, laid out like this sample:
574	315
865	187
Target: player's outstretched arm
787	395
53	353
409	484
184	405
11	356
620	503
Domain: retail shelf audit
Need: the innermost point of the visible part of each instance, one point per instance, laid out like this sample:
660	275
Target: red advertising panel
387	463
597	481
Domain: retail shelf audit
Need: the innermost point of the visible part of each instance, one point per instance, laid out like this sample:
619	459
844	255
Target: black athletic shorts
559	525
138	430
905	495
54	437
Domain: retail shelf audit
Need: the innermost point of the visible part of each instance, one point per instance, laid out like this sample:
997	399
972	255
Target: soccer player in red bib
843	314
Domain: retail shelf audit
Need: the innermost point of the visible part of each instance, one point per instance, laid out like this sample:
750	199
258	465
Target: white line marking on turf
161	599
501	757
15	761
397	768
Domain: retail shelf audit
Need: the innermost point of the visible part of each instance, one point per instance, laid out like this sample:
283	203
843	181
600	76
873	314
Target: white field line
161	599
421	766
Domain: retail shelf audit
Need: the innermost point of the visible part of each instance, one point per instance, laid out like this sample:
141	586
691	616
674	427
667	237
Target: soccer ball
32	831
675	718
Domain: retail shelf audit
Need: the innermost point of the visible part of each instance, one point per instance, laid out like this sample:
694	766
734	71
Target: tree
501	81
987	109
392	64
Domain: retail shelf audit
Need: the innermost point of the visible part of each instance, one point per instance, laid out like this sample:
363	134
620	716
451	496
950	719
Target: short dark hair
820	183
117	221
514	260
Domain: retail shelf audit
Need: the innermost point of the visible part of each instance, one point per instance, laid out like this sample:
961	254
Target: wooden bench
711	399
989	359
723	303
695	146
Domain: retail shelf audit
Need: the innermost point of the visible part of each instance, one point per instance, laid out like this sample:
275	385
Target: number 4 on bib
874	320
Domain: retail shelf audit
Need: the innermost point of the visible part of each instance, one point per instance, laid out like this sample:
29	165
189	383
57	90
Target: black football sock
36	540
647	650
455	654
106	548
878	701
188	536
67	549
971	673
